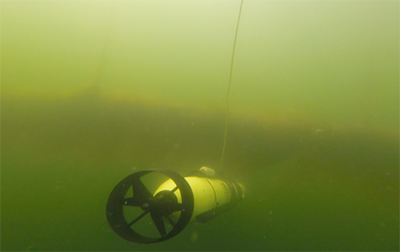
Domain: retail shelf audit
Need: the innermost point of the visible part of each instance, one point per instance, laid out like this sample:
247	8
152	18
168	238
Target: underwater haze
93	91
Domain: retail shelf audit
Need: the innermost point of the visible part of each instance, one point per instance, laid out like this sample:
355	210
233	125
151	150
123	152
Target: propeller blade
140	191
171	221
159	222
176	207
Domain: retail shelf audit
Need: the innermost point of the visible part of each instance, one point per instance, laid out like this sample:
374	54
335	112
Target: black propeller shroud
159	206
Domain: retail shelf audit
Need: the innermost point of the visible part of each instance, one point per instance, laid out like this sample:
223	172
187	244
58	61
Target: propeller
160	207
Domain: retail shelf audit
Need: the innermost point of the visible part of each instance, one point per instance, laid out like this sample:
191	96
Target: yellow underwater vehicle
199	196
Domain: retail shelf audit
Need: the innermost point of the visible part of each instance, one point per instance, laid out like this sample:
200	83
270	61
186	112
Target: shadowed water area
307	188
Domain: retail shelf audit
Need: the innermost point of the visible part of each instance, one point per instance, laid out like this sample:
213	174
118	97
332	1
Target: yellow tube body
208	193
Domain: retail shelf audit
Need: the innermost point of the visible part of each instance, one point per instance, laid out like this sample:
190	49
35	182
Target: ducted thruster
155	205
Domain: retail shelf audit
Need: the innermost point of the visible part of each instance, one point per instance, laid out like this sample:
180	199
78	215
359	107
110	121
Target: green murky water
93	91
